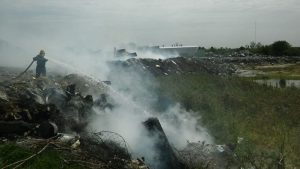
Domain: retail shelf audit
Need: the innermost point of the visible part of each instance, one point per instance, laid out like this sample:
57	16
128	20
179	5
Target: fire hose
25	70
21	74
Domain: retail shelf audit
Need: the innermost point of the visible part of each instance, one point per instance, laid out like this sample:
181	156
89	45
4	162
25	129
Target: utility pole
255	32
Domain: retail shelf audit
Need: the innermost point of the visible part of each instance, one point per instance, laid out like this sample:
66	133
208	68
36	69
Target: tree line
278	48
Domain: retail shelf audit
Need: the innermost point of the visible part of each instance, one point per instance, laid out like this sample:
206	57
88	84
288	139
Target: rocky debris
7	73
204	155
31	109
139	163
3	96
253	60
179	65
44	106
165	153
229	53
213	65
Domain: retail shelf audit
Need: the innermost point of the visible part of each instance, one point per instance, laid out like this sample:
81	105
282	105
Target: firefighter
40	64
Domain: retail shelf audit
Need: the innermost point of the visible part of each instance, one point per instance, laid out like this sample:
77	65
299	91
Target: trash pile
54	112
43	113
42	107
256	60
222	65
178	65
37	113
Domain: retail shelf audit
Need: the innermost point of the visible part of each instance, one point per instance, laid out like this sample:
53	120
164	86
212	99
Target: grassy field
231	107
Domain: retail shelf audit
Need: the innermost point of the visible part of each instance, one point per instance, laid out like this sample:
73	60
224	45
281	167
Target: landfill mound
43	113
222	66
38	114
53	113
64	102
178	65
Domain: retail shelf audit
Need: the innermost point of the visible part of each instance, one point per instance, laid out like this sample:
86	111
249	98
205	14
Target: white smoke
135	100
182	127
12	55
153	55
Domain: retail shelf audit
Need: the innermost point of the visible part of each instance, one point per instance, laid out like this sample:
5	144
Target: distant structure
177	49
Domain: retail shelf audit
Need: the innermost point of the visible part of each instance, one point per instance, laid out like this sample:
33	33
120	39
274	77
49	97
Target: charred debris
45	113
53	112
40	112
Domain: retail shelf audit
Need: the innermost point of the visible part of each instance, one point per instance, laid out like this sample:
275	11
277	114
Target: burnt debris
42	107
166	156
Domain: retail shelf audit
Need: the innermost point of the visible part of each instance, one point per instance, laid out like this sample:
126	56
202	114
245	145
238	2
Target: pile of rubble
27	105
37	113
221	65
255	60
179	65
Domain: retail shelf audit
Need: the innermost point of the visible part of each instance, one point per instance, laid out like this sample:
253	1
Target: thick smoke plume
135	99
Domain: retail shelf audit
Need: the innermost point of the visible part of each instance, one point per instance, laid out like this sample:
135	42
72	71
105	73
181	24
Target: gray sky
36	24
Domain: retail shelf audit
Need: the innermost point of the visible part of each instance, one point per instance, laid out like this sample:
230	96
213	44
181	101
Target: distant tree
212	49
257	47
265	50
254	45
293	51
280	48
242	48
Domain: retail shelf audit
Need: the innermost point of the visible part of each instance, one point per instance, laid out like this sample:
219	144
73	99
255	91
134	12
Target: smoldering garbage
165	153
41	103
56	110
44	110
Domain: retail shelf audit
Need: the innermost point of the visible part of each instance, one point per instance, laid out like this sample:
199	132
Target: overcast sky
100	23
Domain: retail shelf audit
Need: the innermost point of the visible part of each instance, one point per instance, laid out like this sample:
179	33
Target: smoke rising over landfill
70	31
76	43
82	37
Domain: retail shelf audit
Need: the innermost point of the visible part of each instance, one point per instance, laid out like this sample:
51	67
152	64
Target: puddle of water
280	83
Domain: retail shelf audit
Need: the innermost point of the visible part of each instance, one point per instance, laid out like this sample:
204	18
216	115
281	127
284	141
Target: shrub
280	48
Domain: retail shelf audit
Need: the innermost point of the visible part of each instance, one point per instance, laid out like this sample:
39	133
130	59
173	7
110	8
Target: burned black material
8	128
42	107
166	155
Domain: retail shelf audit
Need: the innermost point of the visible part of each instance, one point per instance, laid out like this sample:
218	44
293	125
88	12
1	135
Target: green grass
233	107
49	159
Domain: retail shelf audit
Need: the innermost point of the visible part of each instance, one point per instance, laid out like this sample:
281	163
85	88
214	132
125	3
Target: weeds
232	107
